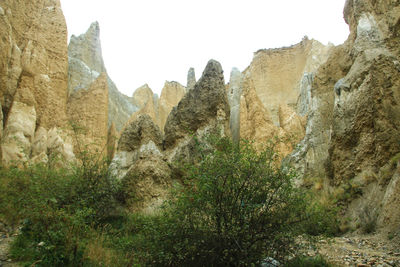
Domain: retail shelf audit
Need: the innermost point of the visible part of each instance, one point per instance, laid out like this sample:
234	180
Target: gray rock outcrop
86	64
202	110
191	79
139	163
234	94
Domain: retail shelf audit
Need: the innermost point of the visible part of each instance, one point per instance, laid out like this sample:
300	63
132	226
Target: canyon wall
33	80
352	134
277	73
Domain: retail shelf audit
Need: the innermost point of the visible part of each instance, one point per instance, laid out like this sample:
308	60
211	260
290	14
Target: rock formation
33	76
191	79
147	101
202	110
352	137
86	64
112	141
171	94
88	112
34	55
277	73
234	93
144	159
157	108
139	163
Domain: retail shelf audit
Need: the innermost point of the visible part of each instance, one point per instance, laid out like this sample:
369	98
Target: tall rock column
234	93
191	79
204	109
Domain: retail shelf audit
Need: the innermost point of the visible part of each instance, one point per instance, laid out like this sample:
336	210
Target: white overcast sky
150	41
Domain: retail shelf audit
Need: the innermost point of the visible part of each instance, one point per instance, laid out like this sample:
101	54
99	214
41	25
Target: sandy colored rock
148	180
203	109
1	125
142	95
256	124
60	151
157	108
171	94
147	102
39	144
20	127
88	110
86	64
18	134
112	141
291	123
34	49
277	73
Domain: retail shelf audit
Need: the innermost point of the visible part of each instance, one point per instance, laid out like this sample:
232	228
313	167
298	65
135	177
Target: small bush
236	207
303	261
57	209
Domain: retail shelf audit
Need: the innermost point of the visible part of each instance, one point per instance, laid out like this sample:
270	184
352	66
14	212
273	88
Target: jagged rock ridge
85	66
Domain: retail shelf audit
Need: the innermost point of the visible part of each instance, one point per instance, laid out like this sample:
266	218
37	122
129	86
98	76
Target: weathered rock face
20	128
234	93
277	73
157	108
191	79
88	109
140	138
139	163
112	141
33	80
311	155
34	55
255	121
203	109
352	135
171	94
144	158
85	66
147	101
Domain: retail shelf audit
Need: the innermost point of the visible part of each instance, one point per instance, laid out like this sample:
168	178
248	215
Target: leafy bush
57	209
235	207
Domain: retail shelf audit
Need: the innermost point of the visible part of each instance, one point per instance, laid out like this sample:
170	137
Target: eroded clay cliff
352	134
88	113
33	74
85	66
277	73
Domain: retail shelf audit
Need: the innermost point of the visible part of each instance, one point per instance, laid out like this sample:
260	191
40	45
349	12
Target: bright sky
150	41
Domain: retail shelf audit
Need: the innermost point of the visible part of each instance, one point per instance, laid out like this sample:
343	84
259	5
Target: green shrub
57	209
303	261
236	207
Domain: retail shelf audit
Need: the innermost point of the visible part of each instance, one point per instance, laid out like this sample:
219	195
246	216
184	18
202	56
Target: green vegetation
302	261
235	207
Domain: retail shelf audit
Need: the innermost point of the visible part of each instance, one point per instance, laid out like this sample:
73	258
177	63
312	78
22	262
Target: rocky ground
360	251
